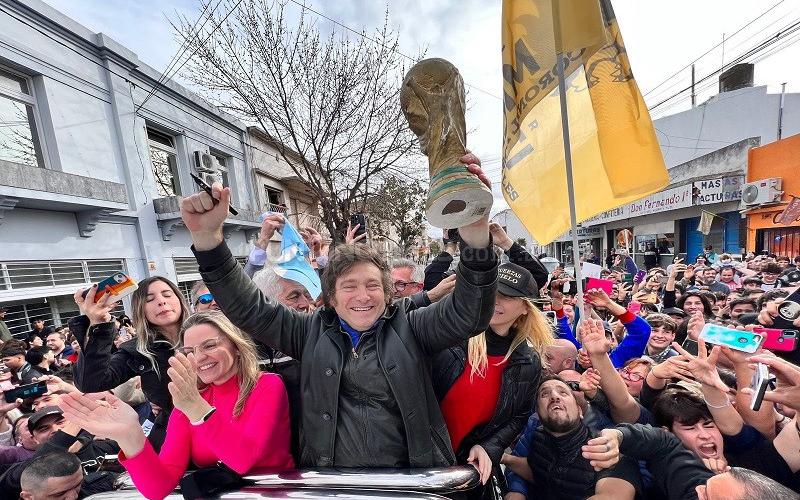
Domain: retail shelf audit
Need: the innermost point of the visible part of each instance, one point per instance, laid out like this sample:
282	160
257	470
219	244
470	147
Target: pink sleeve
156	476
261	430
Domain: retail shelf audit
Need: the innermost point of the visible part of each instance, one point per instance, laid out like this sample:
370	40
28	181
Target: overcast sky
661	38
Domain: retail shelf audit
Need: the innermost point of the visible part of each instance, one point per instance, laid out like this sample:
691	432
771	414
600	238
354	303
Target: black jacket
676	471
517	390
91	456
519	256
102	367
397	354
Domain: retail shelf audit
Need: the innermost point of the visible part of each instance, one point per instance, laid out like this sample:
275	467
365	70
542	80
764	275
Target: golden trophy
432	100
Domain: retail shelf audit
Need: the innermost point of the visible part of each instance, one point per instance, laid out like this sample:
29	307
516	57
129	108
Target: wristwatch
205	417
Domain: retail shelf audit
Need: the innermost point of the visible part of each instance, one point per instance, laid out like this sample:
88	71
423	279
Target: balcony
39	188
168	213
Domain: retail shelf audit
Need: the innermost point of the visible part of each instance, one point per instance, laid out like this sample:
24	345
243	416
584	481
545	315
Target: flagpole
562	94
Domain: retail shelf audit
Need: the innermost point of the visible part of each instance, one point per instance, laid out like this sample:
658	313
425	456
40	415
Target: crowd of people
483	358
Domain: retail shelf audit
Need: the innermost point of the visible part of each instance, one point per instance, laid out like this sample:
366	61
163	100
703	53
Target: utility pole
780	111
693	94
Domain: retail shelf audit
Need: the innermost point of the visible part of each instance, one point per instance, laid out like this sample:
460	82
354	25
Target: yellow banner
615	155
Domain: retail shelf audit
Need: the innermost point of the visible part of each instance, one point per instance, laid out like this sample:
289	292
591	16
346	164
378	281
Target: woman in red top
486	387
238	416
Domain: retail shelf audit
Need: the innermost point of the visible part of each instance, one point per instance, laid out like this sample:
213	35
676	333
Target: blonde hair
531	327
146	333
246	362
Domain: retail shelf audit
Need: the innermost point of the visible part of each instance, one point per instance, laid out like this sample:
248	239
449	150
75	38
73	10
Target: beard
559	425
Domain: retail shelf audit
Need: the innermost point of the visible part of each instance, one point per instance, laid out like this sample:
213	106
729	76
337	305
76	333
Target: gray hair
417	271
267	281
195	292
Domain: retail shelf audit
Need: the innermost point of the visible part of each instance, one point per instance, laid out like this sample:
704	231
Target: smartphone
788	311
27	391
118	284
634	307
551	316
639	276
759	384
570	288
776	339
735	339
604	285
359	219
627	278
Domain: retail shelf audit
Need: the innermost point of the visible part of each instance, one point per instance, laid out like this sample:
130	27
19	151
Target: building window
274	200
19	139
164	159
223	167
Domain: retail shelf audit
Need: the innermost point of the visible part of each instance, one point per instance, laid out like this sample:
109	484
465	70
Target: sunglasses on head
206	298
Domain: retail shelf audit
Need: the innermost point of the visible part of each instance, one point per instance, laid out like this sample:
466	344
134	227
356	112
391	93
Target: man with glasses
407	278
202	300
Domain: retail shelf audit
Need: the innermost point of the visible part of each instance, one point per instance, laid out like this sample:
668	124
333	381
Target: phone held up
776	339
119	284
205	187
27	391
748	342
360	220
759	383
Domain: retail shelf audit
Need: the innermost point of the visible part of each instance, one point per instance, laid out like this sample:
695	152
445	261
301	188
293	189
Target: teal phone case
748	342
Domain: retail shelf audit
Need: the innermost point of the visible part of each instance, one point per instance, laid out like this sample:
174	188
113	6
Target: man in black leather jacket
367	395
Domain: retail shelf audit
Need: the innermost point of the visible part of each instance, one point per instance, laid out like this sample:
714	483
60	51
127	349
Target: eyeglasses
401	285
573	385
204	299
632	376
206	347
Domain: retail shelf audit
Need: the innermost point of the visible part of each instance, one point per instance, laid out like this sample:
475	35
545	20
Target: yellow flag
616	158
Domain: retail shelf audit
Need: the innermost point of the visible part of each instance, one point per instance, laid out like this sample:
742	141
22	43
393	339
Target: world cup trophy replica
432	100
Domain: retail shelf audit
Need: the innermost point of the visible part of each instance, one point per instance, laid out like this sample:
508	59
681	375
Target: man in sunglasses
202	300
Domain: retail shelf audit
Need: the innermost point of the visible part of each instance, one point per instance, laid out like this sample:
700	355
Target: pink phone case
775	340
605	285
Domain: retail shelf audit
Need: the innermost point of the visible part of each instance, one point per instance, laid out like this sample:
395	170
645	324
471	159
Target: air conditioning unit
763	191
208	167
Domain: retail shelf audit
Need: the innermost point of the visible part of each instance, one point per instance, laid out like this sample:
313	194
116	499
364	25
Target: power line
373	40
182	49
750	53
216	27
712	48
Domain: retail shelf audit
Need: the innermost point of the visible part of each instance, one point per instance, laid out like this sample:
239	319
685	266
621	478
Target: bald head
561	355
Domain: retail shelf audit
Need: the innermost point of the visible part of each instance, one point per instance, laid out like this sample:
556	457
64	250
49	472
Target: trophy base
457	201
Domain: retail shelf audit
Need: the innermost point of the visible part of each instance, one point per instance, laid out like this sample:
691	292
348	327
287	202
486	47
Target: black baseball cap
516	281
36	418
674	311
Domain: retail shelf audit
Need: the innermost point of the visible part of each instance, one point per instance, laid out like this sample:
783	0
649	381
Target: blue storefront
724	236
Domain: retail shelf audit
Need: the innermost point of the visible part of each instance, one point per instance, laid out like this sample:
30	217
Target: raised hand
97	312
500	237
583	359
312	238
717	465
104	415
695	326
183	387
597	298
351	238
703	367
204	218
270	224
476	235
443	288
590	382
623	289
593	337
788	391
674	367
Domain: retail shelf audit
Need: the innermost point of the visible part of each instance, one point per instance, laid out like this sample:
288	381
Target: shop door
692	238
783	241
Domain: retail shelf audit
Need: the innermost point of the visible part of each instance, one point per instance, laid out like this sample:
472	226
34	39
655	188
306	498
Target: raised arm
624	407
239	299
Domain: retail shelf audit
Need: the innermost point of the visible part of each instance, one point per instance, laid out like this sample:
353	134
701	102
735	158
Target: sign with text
664	201
584	233
719	190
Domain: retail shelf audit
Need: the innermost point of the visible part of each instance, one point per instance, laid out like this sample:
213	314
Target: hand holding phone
27	391
119	284
739	340
759	383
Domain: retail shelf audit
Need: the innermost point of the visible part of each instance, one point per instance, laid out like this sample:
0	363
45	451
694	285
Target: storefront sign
584	233
790	214
664	201
719	190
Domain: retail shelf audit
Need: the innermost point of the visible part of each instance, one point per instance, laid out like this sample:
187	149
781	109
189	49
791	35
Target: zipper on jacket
355	354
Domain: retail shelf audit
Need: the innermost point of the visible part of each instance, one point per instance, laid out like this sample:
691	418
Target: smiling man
365	373
662	334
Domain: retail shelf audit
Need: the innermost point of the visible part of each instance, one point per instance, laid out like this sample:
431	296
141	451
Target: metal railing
16	275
